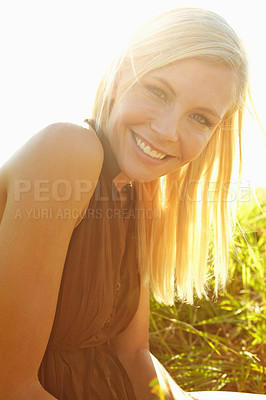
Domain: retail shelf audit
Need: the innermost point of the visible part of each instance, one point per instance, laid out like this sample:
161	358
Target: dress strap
92	123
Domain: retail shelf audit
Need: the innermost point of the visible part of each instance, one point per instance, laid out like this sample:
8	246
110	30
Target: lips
148	149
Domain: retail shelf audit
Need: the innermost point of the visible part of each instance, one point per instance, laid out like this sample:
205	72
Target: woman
87	224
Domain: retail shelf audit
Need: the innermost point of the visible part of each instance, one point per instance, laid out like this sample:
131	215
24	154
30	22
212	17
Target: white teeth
147	149
153	153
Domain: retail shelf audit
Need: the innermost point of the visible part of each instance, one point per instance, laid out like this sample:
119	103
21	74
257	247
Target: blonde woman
92	217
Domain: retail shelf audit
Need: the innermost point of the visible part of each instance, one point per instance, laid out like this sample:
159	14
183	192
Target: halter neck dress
98	297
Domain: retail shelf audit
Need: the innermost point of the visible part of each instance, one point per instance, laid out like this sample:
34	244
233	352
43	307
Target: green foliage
221	344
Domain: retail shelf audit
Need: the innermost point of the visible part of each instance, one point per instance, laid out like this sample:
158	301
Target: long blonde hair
173	241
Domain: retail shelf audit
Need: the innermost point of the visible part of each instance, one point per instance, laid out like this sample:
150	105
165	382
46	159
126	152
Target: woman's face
166	119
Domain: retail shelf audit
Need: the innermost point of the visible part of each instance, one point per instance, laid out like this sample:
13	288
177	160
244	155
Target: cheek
194	144
134	109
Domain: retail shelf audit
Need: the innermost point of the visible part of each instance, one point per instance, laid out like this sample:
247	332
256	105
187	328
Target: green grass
221	344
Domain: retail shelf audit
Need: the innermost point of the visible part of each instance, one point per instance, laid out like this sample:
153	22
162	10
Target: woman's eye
157	92
202	120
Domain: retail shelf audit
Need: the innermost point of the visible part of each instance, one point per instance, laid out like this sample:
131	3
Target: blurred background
53	54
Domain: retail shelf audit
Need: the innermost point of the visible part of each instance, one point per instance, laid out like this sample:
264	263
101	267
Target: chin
141	177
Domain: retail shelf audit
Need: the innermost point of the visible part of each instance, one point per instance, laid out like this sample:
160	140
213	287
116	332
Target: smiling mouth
147	149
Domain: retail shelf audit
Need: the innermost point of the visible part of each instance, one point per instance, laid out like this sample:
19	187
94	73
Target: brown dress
98	297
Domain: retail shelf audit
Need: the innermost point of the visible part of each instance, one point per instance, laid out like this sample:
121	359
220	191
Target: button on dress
98	297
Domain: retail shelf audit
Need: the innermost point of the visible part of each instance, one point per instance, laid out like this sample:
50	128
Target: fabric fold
98	297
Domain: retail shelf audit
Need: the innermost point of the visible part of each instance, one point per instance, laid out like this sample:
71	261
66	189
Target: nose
166	125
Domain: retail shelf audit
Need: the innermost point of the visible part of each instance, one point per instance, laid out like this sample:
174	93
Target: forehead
199	80
194	68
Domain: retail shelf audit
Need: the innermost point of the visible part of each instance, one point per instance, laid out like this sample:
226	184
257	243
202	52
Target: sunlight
53	54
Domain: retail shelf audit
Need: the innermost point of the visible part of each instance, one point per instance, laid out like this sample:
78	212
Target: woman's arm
151	380
148	377
34	237
32	391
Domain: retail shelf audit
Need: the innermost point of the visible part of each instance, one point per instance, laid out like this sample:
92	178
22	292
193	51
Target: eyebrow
210	111
203	109
162	80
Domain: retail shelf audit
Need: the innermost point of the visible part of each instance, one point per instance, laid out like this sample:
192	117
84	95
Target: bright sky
54	52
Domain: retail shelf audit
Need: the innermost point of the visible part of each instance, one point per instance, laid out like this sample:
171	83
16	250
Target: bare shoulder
60	146
74	139
58	165
61	156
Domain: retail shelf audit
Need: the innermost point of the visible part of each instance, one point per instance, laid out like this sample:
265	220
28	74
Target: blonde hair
173	246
